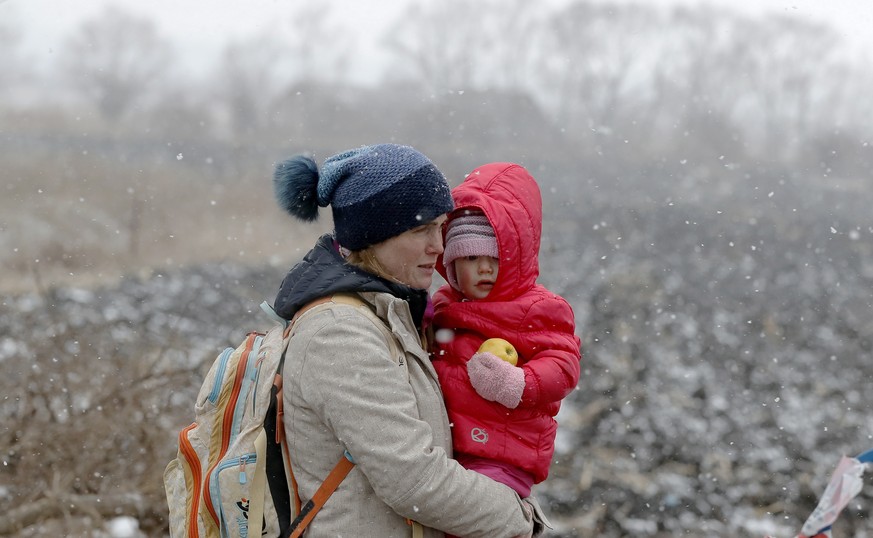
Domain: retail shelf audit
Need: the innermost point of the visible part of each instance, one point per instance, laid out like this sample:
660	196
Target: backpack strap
271	313
283	486
277	449
333	480
417	528
354	300
307	512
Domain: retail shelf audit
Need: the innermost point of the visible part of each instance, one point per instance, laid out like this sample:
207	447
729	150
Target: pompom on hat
375	192
468	234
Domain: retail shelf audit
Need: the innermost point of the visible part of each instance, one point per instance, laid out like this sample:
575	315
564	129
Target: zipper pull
242	469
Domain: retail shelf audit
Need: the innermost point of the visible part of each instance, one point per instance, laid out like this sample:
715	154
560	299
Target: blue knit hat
375	192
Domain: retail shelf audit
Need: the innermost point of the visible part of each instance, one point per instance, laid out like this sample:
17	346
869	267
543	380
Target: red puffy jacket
539	323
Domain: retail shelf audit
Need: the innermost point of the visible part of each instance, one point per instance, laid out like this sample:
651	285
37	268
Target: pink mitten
495	379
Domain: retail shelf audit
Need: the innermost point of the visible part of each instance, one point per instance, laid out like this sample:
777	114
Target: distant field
84	219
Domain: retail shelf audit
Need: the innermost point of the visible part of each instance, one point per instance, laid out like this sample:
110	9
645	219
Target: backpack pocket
229	491
183	485
238	492
174	485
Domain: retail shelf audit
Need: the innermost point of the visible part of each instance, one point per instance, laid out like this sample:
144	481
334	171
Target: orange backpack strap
333	480
307	512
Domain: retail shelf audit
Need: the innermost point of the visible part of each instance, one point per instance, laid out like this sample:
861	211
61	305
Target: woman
345	389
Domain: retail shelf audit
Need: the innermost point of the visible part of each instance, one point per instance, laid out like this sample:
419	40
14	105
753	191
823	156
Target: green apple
501	348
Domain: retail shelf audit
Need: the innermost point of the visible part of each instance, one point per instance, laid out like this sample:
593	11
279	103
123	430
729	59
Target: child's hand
495	379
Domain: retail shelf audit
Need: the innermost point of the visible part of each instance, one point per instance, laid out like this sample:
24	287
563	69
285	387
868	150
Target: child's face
476	275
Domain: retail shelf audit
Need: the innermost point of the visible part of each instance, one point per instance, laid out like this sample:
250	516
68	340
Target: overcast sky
202	27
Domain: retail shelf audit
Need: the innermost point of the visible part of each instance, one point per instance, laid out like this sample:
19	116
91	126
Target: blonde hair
366	259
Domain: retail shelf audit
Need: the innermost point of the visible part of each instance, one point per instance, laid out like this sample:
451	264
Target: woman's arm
369	403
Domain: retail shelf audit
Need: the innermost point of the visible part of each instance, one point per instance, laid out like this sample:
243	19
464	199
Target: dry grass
88	219
98	383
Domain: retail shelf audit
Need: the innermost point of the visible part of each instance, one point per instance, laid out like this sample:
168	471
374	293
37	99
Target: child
502	415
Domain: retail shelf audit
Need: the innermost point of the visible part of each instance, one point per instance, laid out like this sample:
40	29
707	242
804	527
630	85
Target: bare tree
595	66
259	77
785	60
695	83
248	80
115	60
442	45
13	69
514	33
317	44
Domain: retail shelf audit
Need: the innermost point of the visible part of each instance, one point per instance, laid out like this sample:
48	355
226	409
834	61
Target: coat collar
323	272
396	314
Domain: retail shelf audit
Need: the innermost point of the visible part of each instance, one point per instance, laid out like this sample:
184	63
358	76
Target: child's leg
510	475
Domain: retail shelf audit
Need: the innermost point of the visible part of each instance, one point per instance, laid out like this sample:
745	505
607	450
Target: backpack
232	476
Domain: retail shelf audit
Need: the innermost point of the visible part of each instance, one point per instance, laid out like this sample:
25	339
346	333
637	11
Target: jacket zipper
219	375
227	420
193	463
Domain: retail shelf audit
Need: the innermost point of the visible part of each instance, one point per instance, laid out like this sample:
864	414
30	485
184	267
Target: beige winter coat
344	391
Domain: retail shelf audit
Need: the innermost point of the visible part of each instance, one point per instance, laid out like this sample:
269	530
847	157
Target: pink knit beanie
469	234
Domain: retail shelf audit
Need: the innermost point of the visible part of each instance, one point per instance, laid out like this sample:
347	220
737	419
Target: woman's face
410	258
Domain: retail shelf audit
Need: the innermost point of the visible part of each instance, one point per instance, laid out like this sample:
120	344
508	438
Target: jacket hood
323	272
510	198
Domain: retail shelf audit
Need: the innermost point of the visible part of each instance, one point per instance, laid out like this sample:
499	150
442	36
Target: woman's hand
528	513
